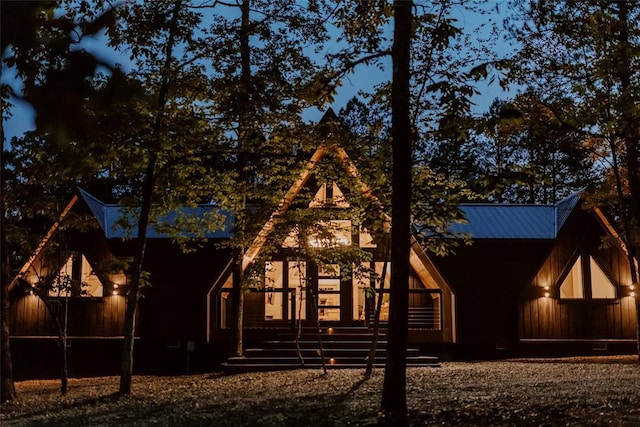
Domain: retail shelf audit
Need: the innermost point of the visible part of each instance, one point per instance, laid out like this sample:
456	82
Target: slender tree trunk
631	137
244	133
376	321
299	319
314	302
133	297
394	392
8	388
64	376
238	323
62	336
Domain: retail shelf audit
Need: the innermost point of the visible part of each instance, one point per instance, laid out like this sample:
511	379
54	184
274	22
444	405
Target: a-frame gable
420	262
349	167
36	255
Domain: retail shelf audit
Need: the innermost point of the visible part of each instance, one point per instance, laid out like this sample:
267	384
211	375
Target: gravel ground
575	391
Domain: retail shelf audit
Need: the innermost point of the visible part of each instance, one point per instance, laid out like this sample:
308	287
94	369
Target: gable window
601	286
77	275
586	279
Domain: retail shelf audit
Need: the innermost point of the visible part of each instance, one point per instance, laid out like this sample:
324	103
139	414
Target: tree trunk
62	334
244	133
8	390
238	323
376	321
394	391
314	304
134	294
631	137
64	376
298	306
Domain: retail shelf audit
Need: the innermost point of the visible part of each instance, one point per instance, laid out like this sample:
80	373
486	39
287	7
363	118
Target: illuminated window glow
77	270
601	286
573	286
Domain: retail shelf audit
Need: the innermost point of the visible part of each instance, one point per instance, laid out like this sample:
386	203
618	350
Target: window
77	276
572	286
329	195
601	286
587	280
273	290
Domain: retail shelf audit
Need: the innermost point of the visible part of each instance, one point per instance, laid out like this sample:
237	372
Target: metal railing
425	309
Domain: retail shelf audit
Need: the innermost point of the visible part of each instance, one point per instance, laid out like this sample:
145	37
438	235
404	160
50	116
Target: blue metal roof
120	222
490	221
496	221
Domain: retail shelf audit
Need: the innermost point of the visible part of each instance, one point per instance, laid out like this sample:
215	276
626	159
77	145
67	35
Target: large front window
285	293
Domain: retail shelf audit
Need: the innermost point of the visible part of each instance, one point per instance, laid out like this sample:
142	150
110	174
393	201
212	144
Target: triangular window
78	278
572	286
601	286
329	195
589	276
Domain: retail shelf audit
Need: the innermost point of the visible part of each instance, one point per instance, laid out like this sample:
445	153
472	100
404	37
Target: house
171	316
539	280
536	279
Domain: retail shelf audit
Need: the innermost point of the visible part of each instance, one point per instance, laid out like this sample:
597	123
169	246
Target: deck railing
425	309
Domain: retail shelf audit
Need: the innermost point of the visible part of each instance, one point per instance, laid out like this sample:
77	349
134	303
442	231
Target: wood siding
550	317
86	317
488	278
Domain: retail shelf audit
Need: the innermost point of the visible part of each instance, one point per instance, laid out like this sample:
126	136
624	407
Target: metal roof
485	220
496	221
120	222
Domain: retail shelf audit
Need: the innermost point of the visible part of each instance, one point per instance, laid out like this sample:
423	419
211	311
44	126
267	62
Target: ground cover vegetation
211	107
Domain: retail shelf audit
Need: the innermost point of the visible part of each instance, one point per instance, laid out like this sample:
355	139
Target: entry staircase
343	347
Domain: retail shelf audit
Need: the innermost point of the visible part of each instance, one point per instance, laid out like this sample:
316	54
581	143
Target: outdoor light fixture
633	294
546	294
632	287
115	286
329	330
546	288
332	361
115	293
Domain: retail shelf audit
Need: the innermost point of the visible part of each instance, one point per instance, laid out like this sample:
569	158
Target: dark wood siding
488	278
175	306
86	317
543	317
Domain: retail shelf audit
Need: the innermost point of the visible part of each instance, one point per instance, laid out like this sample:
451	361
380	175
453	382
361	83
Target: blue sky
364	78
